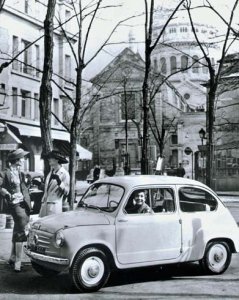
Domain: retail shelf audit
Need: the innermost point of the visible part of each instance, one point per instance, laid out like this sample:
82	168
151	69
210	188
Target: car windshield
102	196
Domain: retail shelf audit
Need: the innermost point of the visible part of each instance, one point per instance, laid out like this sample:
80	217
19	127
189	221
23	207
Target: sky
109	17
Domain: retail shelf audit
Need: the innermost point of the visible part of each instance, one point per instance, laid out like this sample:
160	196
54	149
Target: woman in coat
57	185
16	194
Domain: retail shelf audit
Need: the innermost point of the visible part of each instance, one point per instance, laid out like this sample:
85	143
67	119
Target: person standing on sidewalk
14	190
180	170
57	185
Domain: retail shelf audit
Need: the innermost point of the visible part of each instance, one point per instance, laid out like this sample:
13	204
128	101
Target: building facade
22	31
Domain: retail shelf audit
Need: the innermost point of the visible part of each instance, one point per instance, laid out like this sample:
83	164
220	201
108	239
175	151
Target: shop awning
35	131
82	153
57	135
8	140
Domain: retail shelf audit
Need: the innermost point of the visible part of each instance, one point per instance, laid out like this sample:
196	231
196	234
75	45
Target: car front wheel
90	270
217	258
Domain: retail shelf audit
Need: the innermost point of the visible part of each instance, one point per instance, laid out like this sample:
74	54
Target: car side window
192	199
163	200
138	202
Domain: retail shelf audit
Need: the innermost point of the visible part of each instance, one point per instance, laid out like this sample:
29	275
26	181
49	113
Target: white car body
188	231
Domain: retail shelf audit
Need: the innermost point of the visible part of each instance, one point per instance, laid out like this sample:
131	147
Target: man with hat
57	184
16	195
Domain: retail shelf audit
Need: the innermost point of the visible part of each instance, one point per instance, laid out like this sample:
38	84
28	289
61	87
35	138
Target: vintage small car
187	222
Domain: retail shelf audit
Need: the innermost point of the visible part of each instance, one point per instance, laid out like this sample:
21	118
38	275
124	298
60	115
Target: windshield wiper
89	206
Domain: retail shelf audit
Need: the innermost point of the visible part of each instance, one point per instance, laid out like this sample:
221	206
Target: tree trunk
210	124
45	98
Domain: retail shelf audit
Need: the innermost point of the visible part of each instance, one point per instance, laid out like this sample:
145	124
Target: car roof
138	180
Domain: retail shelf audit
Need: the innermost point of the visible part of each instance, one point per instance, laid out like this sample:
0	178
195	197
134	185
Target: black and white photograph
119	149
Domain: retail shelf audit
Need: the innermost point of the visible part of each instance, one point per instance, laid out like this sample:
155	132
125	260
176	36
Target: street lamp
202	135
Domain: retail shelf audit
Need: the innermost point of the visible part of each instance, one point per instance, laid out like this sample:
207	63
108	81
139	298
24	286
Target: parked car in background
185	222
35	193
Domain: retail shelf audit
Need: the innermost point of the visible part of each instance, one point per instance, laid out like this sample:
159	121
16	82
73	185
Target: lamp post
202	135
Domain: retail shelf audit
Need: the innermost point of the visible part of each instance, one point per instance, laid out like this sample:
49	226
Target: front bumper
46	258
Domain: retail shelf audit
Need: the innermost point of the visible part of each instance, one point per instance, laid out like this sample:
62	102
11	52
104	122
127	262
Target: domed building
179	58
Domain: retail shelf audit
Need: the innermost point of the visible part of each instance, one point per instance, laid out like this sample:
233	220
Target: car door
154	236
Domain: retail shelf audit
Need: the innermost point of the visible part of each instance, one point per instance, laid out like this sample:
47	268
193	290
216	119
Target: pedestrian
180	171
171	171
57	185
96	173
14	190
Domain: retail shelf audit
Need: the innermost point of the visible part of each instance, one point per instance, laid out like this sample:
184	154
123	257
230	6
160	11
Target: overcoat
6	184
54	194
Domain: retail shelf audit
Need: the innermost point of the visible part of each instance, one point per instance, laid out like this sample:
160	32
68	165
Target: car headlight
59	238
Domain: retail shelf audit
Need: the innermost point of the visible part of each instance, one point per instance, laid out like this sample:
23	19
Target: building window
195	64
36	107
67	20
15	52
173	64
26	105
174	139
37	49
172	30
67	67
204	68
183	29
184	63
213	62
26	57
56	110
128	106
14	101
26	6
163	65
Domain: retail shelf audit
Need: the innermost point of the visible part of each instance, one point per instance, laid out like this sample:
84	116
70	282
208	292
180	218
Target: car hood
81	217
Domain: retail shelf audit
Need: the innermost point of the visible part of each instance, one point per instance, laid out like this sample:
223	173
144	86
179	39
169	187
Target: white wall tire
90	270
217	258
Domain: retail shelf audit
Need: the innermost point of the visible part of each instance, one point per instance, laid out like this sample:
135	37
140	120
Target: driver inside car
138	204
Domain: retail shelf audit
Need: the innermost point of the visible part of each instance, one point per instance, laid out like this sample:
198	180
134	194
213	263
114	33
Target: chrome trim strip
51	259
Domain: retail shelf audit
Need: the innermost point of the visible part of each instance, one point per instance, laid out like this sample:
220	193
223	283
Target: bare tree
2	4
85	17
214	79
150	45
45	98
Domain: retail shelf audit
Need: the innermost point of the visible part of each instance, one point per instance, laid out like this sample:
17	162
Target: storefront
14	135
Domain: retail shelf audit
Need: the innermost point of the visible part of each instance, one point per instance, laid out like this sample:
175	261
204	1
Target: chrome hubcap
217	257
92	270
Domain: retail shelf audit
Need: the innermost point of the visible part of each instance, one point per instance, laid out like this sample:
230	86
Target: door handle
122	220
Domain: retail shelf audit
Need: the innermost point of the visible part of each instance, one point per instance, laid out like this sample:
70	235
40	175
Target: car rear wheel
90	270
217	258
44	271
